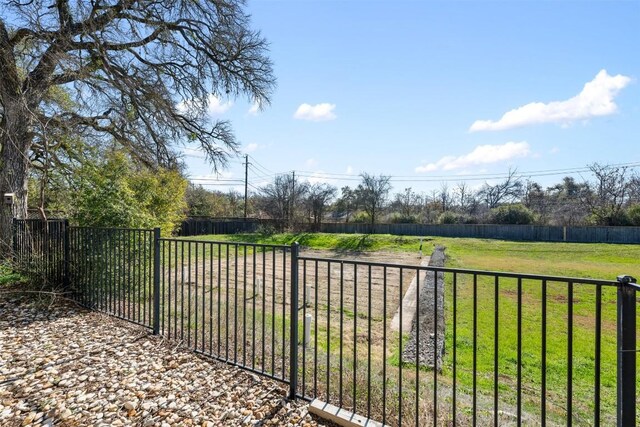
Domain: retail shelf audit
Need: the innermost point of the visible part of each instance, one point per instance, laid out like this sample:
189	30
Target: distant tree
407	205
444	197
235	204
535	199
566	207
634	189
608	194
463	196
137	73
372	194
509	190
278	198
200	201
318	198
347	202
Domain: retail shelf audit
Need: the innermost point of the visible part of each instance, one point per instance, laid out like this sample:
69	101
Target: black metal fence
414	345
229	301
111	270
402	344
38	249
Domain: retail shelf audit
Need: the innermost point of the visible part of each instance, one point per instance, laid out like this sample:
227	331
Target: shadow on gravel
20	308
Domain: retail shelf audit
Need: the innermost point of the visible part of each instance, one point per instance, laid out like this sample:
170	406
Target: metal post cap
626	279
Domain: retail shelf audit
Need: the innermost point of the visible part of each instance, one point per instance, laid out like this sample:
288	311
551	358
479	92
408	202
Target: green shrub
118	193
633	215
398	218
361	218
451	217
512	214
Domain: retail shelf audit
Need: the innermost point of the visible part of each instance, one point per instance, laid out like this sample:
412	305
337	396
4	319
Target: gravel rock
422	344
66	366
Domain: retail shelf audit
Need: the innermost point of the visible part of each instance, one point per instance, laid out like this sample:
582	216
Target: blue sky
439	91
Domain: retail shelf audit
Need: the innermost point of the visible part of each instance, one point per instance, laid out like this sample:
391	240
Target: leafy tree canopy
138	72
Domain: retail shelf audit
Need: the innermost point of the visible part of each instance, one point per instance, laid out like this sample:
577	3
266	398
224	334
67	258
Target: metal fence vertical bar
156	281
14	233
293	347
65	257
626	339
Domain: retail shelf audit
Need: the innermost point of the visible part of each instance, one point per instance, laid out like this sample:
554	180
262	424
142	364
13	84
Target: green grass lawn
601	261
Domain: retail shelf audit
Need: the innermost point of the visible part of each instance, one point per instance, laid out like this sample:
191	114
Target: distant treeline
611	197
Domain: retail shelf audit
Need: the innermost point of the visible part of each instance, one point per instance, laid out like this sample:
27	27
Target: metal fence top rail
76	227
39	219
587	281
218	242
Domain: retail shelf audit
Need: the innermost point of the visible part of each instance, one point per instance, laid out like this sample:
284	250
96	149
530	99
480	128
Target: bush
633	215
118	193
512	214
398	218
361	218
266	230
451	217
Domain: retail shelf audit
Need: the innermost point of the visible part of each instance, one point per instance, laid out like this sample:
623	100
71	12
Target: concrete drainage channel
421	344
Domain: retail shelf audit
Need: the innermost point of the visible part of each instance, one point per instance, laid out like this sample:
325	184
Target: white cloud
193	152
482	154
250	148
554	150
215	106
315	113
255	109
349	170
311	163
595	99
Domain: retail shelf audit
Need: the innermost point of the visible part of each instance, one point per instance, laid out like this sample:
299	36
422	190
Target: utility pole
246	182
293	196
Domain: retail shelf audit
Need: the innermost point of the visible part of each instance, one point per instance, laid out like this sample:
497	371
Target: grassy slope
603	261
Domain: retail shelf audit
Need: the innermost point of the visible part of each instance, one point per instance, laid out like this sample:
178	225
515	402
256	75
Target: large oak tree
138	73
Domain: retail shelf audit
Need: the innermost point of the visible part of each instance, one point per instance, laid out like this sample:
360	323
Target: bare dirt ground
62	365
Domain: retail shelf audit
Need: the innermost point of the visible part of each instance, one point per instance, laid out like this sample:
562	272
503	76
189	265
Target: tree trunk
15	142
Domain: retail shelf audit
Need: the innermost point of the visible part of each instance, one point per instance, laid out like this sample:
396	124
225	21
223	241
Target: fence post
293	344
626	401
156	281
14	234
65	256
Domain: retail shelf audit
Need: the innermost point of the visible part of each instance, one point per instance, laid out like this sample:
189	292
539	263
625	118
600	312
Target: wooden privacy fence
534	233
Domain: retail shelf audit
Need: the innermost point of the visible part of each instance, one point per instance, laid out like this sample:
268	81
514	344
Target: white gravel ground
65	366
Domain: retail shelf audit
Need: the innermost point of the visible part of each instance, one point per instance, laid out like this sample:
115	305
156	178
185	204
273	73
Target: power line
461	178
259	165
217	180
259	174
222	184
